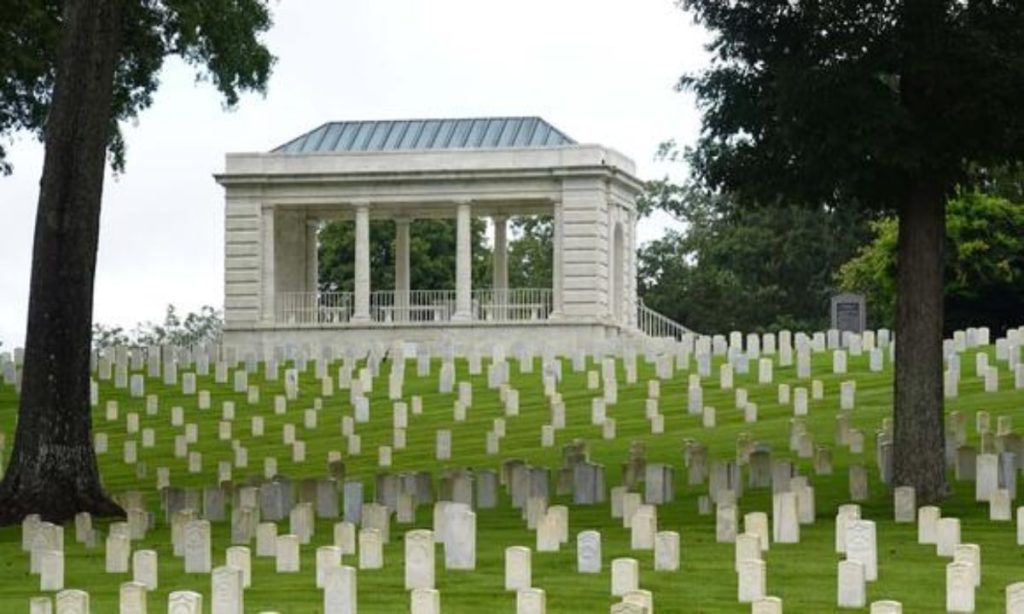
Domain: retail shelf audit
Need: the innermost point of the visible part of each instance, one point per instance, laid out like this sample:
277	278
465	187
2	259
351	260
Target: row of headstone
574	465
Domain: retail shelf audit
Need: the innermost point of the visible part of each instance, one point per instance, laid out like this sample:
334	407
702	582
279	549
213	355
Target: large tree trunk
53	469
918	449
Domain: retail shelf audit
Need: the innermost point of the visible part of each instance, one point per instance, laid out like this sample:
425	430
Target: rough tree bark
53	470
919	443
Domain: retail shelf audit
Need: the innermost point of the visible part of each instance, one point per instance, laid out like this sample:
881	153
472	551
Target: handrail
654	324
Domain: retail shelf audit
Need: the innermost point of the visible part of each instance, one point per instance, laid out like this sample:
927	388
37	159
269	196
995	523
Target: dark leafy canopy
218	37
739	269
857	99
431	255
984	265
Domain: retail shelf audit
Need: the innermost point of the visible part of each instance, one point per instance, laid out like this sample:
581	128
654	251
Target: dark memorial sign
849	313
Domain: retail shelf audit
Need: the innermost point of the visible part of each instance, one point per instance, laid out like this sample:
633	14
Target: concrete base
562	336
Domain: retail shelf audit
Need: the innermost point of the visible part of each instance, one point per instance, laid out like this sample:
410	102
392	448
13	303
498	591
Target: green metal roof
428	134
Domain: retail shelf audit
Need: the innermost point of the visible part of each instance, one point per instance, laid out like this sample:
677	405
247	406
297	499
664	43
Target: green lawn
803	575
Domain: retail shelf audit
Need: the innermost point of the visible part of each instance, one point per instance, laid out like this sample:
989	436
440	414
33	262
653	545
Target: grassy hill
804	575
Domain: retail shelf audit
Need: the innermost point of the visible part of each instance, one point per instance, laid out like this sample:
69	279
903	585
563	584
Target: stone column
312	257
361	312
557	281
463	264
402	277
500	266
267	281
500	252
613	251
631	289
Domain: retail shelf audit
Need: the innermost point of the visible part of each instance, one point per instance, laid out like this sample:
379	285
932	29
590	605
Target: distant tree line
191	329
776	266
733	268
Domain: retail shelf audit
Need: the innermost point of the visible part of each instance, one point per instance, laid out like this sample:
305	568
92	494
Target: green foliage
734	268
665	195
431	255
107	336
872	272
220	38
1005	181
856	101
336	258
984	265
531	252
192	330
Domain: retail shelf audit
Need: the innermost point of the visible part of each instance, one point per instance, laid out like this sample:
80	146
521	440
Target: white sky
602	71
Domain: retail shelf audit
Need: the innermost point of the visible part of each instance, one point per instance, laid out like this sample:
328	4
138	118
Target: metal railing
413	307
312	308
512	304
653	324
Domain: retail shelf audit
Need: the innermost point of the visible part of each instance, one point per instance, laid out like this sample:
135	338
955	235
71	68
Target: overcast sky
602	71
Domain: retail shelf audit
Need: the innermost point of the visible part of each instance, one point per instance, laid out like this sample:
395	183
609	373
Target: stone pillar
402	277
361	312
584	249
557	281
267	281
617	254
463	264
631	271
614	255
287	261
500	252
312	257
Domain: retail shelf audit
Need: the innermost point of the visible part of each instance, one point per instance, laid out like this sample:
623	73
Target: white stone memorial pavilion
405	171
